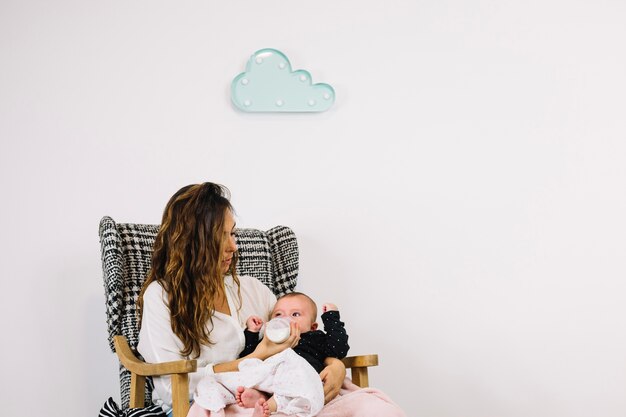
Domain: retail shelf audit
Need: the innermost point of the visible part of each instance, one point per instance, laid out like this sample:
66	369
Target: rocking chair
271	257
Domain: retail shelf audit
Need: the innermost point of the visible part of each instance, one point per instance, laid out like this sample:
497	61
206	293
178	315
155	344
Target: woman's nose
232	244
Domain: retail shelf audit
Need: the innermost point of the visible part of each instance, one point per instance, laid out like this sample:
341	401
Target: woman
194	306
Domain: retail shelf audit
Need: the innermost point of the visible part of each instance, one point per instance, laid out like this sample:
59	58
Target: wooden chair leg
137	391
180	394
358	368
360	377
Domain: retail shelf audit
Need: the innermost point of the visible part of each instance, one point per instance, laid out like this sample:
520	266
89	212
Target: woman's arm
264	350
332	377
158	343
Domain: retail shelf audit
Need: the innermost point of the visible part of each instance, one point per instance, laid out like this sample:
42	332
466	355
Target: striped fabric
126	250
111	409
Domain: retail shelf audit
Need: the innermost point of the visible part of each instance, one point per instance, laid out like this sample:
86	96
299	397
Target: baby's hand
329	307
254	323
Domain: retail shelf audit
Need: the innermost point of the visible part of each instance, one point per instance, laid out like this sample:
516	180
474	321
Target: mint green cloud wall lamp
270	85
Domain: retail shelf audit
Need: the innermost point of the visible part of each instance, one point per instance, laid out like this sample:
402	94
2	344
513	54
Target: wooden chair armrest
360	361
139	367
139	370
358	368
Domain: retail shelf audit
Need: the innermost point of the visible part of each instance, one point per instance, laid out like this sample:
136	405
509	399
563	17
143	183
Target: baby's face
297	309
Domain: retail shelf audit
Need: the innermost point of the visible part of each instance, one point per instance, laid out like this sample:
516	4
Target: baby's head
299	308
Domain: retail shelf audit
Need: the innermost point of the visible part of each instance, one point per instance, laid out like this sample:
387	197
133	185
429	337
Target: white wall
463	201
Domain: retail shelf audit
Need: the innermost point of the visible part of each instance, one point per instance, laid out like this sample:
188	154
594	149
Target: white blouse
158	343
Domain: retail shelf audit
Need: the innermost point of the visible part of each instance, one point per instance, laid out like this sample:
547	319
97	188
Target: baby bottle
278	329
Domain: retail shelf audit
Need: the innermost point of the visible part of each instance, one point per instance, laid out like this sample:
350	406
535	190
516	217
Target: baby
292	376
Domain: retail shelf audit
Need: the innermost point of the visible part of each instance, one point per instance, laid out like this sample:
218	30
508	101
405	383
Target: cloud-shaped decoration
269	85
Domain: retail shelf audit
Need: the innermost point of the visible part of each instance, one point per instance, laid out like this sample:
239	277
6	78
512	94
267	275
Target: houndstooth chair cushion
126	249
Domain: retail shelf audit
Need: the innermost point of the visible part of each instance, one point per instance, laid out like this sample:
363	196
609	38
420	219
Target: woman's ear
314	326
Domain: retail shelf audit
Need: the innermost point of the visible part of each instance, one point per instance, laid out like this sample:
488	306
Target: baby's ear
314	326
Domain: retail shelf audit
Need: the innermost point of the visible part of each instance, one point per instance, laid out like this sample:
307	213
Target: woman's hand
267	348
332	377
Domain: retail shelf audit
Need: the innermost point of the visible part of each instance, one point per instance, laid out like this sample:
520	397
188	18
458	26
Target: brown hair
188	252
300	294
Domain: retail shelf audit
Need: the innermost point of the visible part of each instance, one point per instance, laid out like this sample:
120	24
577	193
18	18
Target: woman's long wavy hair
187	259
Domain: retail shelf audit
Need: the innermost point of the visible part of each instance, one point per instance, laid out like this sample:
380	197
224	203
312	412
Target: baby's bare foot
240	391
261	408
248	397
